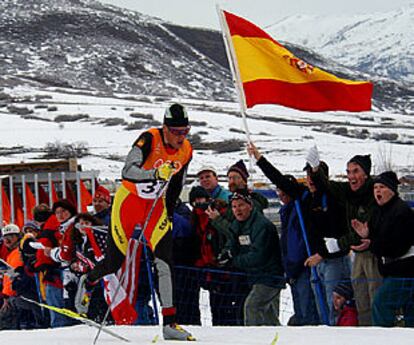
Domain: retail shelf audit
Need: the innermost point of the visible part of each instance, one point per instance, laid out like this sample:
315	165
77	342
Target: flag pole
231	56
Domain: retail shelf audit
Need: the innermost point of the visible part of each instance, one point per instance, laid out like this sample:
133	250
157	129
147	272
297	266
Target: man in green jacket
237	179
254	248
357	197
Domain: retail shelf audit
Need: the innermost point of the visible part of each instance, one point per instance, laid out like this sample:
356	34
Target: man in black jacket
391	238
293	245
357	199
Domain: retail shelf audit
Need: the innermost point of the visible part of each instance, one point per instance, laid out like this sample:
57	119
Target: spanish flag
271	74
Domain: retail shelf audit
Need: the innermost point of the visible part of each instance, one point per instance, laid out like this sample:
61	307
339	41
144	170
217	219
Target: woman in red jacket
51	237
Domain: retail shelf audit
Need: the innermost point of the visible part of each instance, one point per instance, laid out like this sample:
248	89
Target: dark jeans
394	298
304	303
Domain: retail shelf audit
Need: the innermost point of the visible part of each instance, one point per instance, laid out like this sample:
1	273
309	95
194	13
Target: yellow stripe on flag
260	58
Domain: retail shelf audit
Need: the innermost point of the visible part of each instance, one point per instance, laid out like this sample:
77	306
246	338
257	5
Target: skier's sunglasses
179	131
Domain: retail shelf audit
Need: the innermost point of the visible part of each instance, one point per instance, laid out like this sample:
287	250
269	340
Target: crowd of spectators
345	249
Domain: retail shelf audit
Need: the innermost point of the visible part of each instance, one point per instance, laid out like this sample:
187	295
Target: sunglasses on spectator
179	131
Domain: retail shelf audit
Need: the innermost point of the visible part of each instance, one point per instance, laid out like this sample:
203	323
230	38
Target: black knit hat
242	194
322	165
345	290
240	168
389	179
65	204
198	192
286	187
175	116
364	161
41	213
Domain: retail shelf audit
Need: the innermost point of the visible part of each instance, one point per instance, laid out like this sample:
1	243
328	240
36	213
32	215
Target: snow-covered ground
83	335
284	142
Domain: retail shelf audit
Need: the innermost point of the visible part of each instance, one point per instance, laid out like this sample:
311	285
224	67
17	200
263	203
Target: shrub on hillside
58	150
71	118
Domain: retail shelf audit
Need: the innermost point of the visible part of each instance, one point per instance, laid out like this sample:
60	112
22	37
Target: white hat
207	168
10	229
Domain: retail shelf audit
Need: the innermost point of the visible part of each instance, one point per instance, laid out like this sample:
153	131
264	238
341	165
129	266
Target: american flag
100	234
122	299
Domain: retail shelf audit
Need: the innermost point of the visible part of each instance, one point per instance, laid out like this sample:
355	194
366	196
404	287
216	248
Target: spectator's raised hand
212	213
253	151
312	158
360	228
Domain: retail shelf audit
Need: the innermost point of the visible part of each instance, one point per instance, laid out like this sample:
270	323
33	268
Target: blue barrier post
316	279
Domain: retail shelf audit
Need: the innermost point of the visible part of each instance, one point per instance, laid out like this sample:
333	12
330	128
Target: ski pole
122	278
151	283
73	315
321	300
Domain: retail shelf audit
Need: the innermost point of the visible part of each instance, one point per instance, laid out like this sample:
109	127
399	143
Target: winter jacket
357	204
207	241
325	218
220	193
3	250
223	222
14	260
348	315
256	250
104	216
293	245
323	215
392	236
184	238
49	236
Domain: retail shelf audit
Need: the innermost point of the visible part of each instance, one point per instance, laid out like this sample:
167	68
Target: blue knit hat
345	290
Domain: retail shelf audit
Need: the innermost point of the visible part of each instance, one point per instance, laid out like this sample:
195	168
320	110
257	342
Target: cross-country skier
159	155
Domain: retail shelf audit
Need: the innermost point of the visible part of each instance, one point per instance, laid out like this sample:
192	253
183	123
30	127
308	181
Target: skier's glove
164	171
312	158
224	258
83	295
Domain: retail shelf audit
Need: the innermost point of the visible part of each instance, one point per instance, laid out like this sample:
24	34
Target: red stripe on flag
241	27
315	96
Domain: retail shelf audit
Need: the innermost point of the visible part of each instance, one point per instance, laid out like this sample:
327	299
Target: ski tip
275	339
155	339
191	338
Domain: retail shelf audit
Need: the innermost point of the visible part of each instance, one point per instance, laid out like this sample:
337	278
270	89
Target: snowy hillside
84	44
32	117
377	43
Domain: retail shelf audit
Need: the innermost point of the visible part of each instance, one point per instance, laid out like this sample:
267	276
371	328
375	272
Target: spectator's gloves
224	258
164	171
312	158
83	295
332	245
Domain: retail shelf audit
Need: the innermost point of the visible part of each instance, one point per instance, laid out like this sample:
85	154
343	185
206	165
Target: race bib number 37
148	190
